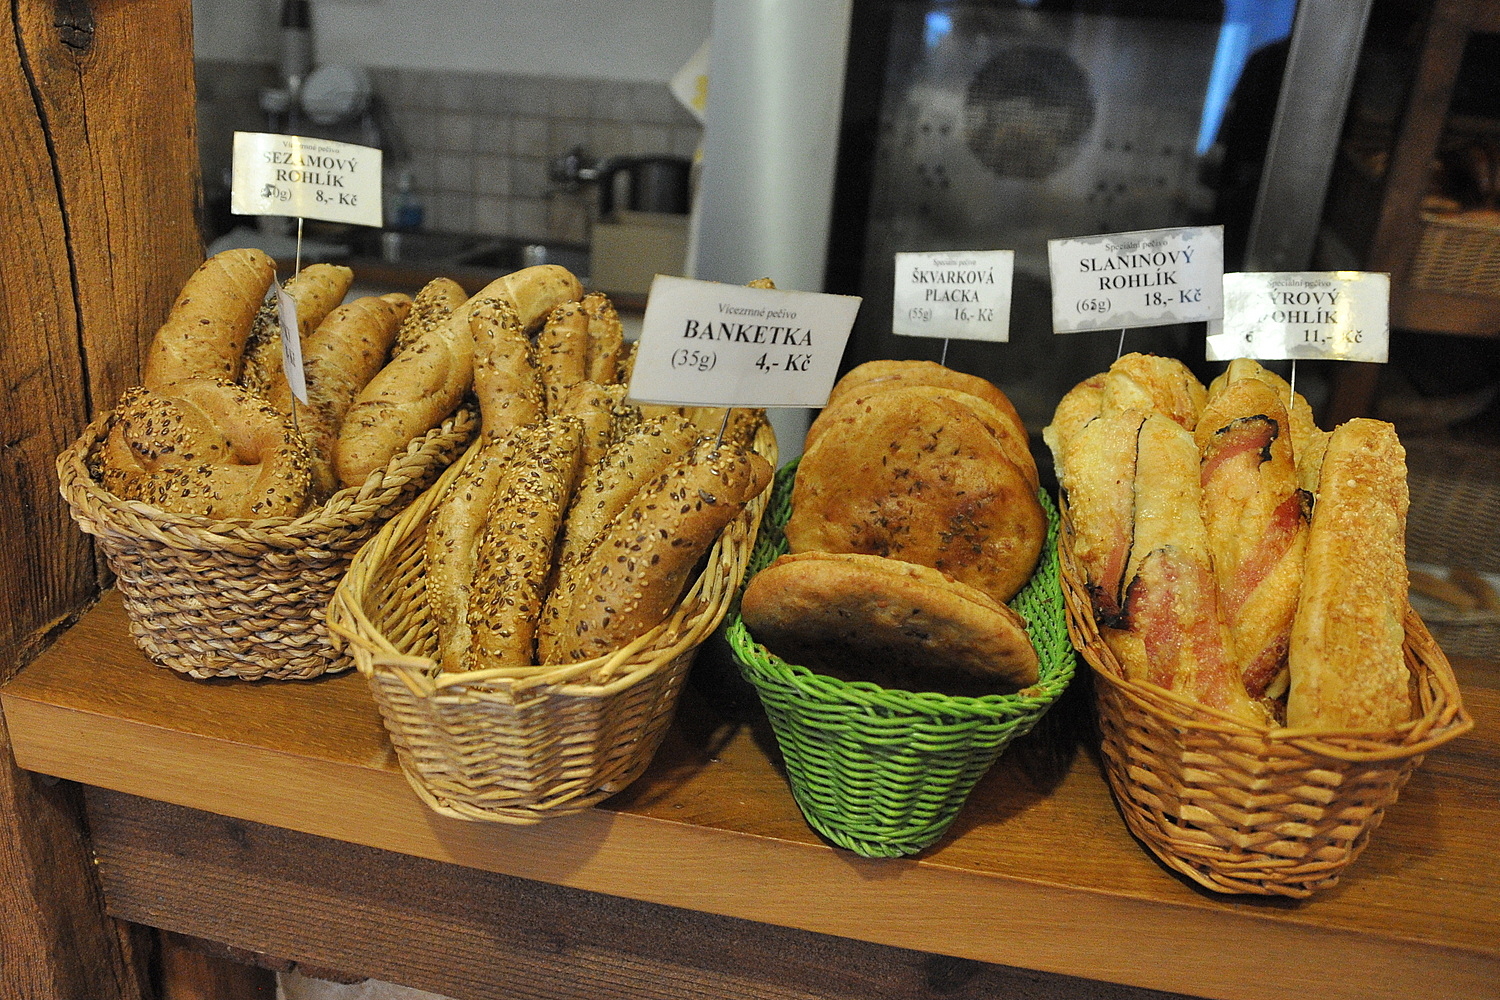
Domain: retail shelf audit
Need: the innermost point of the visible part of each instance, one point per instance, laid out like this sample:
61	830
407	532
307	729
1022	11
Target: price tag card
959	295
291	343
306	178
1148	278
709	344
1276	315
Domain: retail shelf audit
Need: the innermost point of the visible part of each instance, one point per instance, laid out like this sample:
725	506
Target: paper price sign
709	344
1148	278
962	295
305	178
1329	315
291	343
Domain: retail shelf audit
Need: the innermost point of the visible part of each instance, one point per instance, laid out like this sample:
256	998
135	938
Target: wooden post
98	182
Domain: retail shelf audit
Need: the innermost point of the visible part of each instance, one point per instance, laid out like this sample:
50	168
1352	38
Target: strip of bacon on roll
1175	637
1256	519
1308	440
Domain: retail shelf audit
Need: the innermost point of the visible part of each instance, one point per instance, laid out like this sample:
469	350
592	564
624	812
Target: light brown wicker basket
1245	810
1458	253
244	599
1455	505
521	745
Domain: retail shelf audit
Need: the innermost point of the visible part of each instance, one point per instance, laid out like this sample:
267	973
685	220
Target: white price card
959	294
1126	280
1329	315
305	178
709	344
291	343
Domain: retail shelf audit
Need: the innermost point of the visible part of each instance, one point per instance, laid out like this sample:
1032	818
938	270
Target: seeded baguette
452	543
562	349
642	565
606	491
515	549
506	380
606	338
205	332
605	416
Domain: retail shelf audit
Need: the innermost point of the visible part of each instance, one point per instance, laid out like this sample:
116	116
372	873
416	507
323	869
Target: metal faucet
576	168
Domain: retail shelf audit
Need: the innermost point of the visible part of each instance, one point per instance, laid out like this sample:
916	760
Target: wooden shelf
1038	873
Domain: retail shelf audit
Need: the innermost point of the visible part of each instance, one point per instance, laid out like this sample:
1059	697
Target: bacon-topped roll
1256	518
1099	480
1175	637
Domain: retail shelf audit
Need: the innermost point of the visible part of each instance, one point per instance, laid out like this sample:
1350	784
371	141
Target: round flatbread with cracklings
921	478
900	625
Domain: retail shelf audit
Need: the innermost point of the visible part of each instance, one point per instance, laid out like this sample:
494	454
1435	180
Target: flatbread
863	617
1001	422
919	479
888	373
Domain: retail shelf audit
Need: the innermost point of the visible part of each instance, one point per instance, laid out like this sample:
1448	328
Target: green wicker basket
883	772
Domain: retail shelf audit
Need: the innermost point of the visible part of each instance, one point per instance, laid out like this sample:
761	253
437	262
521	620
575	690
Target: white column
770	141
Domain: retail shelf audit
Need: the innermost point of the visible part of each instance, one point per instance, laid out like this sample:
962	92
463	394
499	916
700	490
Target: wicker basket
521	745
1458	253
1455	505
884	772
1244	810
244	599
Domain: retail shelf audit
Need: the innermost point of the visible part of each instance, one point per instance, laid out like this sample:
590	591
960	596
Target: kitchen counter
1038	873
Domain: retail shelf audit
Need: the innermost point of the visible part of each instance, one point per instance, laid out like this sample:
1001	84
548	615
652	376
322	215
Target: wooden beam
465	933
1408	176
190	971
97	169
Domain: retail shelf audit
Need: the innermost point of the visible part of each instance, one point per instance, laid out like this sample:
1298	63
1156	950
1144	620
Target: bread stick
1256	519
1170	598
1346	662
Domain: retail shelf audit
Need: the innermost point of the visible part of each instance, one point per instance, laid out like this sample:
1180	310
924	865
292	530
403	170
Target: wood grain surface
468	934
98	178
1038	873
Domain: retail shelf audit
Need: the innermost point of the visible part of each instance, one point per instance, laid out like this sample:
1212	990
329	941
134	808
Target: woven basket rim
352	504
1444	719
697	613
1463	221
896	701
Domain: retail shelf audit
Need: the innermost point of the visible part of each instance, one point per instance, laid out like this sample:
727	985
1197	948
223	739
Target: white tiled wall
479	144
